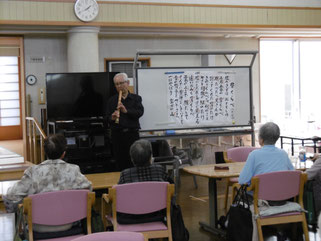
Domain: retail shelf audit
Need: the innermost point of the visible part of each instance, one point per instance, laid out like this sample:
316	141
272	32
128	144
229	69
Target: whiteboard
185	98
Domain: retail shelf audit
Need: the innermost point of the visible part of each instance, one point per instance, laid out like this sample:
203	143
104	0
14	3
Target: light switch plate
41	96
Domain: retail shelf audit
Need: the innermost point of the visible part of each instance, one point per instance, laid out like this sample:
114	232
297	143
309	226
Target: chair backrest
240	154
141	197
59	207
276	186
112	236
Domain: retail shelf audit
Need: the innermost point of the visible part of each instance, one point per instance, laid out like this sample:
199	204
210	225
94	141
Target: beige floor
15	146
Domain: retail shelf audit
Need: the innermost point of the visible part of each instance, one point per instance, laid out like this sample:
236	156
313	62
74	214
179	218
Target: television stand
88	144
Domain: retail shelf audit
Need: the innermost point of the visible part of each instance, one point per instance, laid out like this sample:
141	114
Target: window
122	67
125	65
9	91
291	85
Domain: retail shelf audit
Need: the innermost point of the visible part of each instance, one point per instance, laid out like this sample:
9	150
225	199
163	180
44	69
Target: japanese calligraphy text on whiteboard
201	97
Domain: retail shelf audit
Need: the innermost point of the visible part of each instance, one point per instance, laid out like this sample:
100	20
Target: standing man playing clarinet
123	113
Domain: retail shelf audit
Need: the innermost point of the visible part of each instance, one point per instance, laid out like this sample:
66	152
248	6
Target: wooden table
98	180
103	180
208	171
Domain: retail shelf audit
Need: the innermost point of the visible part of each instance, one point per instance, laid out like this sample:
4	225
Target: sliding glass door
10	92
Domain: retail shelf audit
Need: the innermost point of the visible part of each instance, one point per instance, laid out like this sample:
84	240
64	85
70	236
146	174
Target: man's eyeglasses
120	83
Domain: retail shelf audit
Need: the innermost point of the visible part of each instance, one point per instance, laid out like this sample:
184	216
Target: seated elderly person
143	170
268	158
315	168
314	177
51	175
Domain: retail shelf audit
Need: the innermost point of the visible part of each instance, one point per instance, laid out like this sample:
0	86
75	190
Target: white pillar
83	49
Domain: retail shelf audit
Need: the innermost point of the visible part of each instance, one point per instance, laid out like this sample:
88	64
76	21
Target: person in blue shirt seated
269	158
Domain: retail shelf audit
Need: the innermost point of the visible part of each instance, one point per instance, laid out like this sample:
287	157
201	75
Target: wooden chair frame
27	210
229	183
110	198
276	219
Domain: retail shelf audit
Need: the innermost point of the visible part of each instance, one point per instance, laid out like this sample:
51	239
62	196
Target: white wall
54	49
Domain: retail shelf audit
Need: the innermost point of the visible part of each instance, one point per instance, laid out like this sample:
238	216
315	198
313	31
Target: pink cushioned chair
235	154
277	186
112	236
59	208
142	198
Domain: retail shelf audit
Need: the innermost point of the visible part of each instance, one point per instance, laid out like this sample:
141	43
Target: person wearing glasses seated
143	171
123	113
53	174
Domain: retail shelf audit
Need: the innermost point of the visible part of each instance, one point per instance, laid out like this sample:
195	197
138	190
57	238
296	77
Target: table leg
212	202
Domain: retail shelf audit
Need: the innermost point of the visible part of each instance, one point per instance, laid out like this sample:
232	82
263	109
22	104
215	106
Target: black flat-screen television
73	96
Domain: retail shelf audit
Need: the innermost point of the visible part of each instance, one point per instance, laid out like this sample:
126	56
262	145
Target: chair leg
195	182
146	237
305	228
226	195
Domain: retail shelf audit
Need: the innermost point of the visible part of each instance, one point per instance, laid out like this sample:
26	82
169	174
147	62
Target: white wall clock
31	79
86	10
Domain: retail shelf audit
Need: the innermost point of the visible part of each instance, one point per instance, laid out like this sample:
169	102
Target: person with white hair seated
144	170
269	158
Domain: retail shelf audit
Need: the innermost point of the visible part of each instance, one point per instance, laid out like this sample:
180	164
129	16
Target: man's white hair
124	75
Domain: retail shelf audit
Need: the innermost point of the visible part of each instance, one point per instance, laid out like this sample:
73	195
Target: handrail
35	130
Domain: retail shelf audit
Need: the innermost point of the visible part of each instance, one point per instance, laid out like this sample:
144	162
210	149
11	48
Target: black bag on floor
240	226
96	223
179	231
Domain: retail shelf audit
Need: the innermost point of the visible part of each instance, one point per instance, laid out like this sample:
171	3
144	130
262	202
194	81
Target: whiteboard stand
231	114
